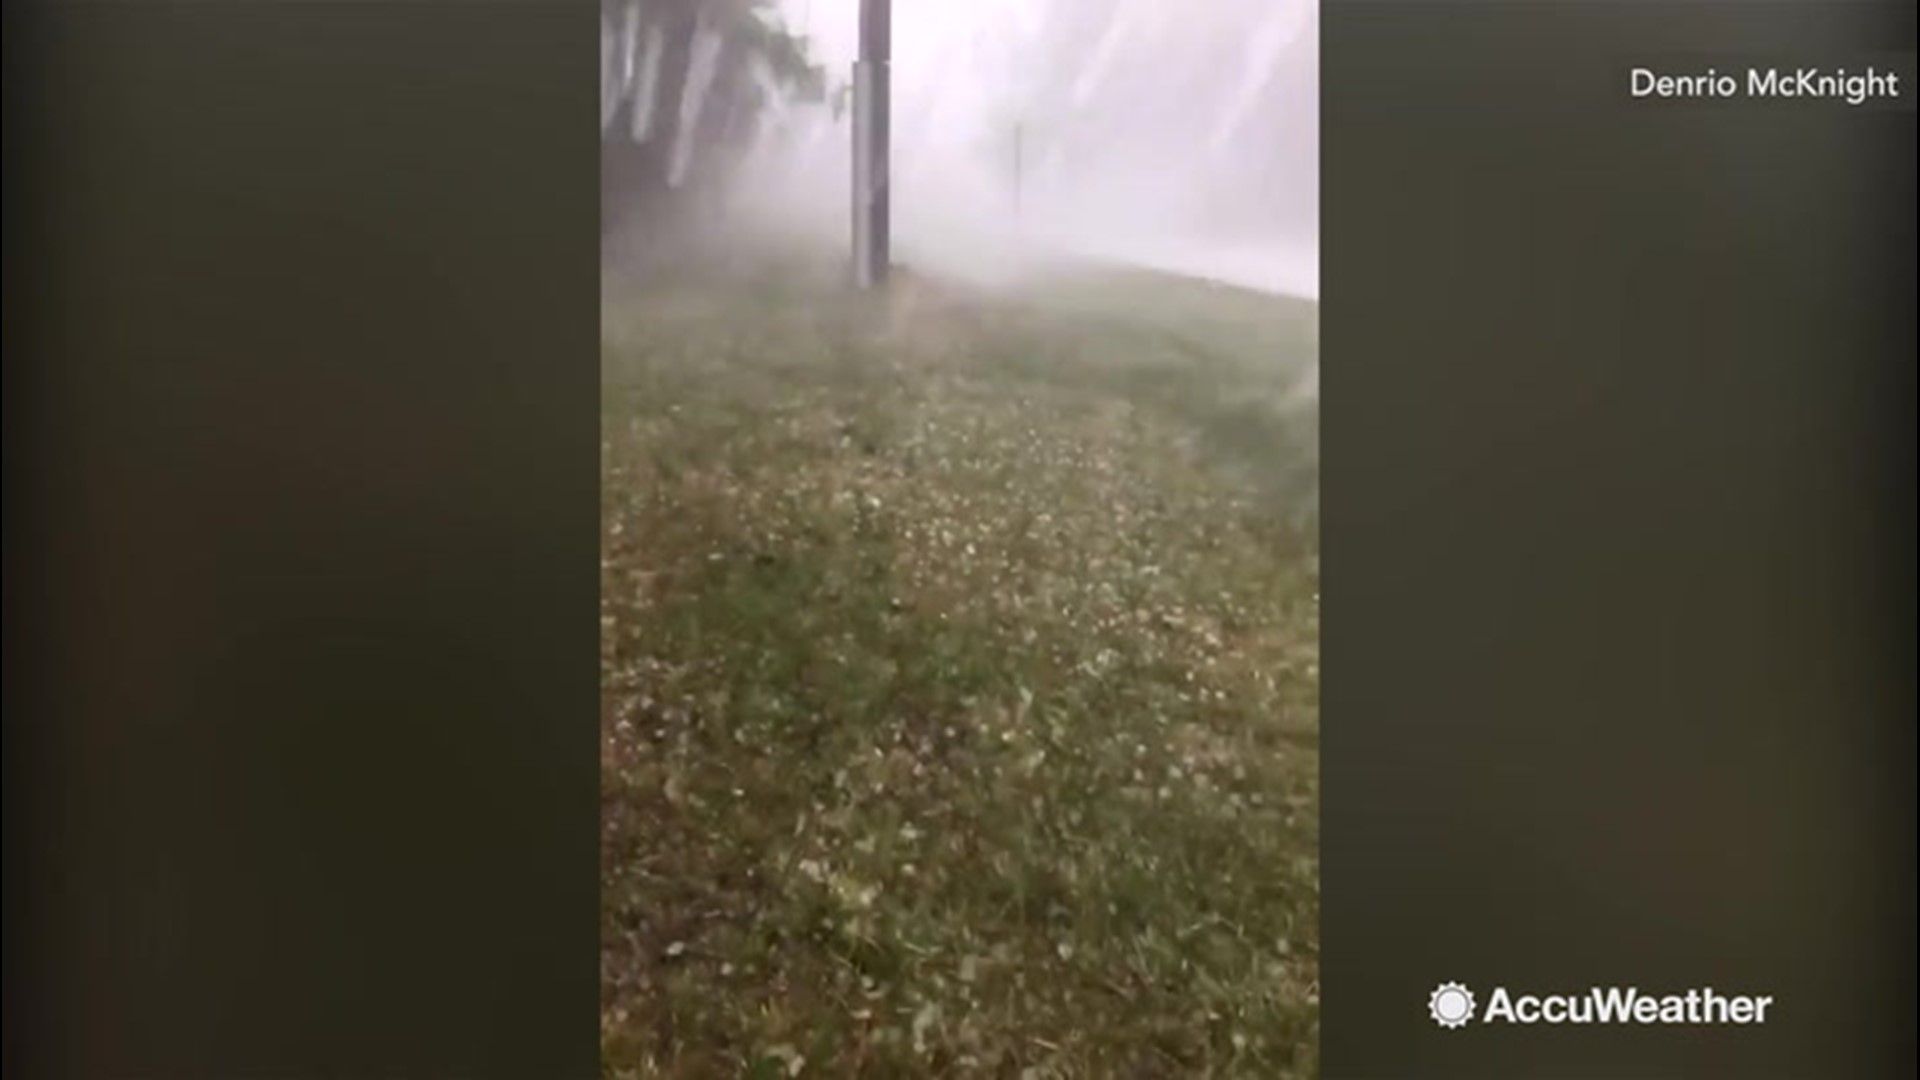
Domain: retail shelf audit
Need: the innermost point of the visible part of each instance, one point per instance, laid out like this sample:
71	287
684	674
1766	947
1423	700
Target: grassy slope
960	683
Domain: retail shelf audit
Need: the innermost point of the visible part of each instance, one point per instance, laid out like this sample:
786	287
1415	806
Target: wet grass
960	683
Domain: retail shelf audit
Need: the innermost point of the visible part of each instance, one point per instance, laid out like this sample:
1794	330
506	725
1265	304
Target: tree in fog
687	87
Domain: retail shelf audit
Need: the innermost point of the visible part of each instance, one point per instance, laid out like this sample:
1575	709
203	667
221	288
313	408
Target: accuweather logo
1453	1006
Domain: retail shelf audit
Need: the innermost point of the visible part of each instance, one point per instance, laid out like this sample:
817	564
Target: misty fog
1177	136
960	650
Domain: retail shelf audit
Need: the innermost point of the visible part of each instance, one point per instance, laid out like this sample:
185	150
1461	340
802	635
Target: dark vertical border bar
29	852
302	540
1619	515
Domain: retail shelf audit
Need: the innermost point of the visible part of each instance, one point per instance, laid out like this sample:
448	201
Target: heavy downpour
960	561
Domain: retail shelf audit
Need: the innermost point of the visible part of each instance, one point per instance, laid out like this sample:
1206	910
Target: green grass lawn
960	681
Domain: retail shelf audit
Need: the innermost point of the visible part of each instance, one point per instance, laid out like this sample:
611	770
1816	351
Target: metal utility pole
1019	139
872	109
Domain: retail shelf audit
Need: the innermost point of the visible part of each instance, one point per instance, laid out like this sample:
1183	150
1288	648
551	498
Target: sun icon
1451	1005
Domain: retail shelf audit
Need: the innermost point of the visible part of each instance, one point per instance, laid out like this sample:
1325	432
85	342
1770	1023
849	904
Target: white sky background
1134	189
